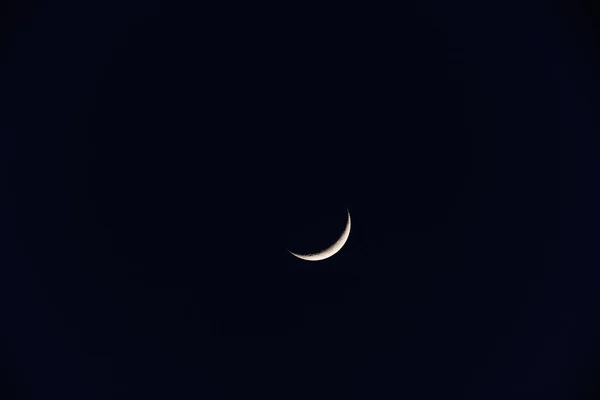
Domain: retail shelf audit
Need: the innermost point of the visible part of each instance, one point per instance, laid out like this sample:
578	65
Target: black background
162	158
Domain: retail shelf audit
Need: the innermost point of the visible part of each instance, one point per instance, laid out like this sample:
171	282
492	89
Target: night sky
162	158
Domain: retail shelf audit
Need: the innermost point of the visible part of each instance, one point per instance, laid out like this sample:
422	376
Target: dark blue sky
161	158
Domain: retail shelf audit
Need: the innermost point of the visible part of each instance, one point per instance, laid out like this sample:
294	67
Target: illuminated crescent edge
331	250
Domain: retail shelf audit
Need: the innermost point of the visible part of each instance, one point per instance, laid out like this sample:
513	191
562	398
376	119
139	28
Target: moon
331	250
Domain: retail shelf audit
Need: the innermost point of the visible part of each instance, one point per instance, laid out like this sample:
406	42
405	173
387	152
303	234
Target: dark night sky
162	158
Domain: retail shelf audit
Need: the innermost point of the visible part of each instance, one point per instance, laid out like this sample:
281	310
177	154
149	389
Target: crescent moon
331	250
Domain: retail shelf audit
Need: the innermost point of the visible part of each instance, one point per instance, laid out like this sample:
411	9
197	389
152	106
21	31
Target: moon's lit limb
331	250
